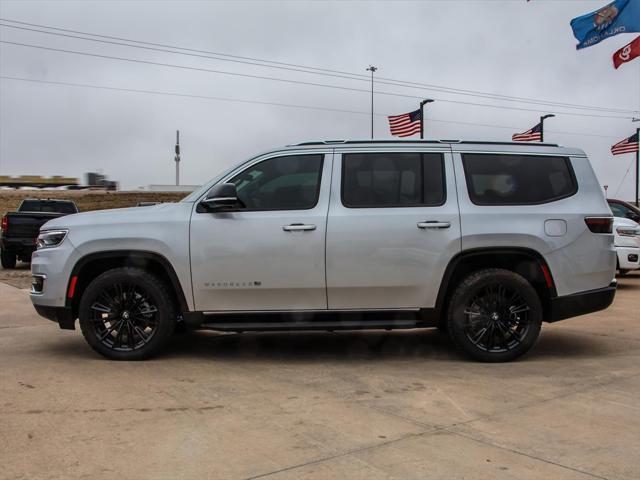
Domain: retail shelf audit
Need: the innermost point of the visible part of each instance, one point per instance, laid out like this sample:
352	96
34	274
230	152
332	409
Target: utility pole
372	69
422	104
177	157
542	119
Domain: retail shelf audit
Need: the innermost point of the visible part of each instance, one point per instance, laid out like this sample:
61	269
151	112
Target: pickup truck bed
20	229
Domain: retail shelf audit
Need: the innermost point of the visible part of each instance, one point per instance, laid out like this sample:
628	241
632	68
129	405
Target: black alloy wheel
496	319
127	314
494	315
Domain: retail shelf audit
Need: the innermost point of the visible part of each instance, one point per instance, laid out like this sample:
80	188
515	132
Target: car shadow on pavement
356	346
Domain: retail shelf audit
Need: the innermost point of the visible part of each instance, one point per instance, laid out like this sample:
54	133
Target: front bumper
581	303
628	258
63	316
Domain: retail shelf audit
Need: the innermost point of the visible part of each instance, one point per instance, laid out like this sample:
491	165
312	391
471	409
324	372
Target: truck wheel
127	314
8	259
494	315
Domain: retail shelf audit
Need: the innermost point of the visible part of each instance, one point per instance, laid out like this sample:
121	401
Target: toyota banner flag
627	53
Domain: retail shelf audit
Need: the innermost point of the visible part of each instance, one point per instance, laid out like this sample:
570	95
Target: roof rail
401	142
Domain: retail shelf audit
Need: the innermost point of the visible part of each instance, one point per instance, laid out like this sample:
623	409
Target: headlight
50	238
627	231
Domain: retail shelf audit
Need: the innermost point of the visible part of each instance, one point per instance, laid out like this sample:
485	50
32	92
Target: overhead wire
297	82
259	102
296	67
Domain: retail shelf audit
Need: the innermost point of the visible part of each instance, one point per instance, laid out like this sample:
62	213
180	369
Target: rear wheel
7	259
127	314
494	315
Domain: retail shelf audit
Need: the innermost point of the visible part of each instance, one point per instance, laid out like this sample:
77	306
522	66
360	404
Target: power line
297	82
238	100
302	68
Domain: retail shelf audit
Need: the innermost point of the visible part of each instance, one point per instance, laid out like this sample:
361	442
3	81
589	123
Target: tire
7	259
127	314
494	315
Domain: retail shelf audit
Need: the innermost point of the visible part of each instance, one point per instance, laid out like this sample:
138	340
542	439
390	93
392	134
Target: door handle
298	227
433	224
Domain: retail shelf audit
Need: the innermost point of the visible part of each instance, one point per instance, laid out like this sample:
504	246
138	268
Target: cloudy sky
510	47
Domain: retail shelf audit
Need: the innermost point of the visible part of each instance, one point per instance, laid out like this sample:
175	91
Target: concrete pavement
364	405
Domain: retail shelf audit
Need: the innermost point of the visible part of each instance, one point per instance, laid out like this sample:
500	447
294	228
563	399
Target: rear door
393	226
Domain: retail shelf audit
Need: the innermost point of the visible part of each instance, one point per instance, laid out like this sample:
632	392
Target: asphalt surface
366	405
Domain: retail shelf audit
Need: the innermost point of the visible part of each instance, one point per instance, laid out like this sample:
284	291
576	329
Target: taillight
599	224
5	223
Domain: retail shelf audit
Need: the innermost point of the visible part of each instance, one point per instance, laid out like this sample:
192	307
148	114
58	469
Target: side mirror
221	196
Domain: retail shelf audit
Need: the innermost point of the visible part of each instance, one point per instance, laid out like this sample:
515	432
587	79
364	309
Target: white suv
483	240
627	243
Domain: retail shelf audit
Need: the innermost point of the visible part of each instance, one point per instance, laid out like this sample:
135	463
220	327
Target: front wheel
127	314
7	259
494	315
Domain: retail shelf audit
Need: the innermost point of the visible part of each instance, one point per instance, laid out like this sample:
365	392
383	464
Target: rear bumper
581	303
19	246
63	316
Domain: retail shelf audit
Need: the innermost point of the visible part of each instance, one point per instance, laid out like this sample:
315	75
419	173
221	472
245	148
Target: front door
269	254
393	227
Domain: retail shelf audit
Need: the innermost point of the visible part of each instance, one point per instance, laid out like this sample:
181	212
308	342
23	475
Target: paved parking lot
368	405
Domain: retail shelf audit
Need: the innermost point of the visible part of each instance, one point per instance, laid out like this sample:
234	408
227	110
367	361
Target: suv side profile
482	240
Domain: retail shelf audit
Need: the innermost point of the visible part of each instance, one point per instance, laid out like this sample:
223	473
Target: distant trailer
36	181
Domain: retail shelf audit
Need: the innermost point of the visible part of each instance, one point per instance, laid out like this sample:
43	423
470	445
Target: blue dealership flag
620	16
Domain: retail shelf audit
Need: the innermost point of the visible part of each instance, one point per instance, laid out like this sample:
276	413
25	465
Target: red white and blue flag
628	145
406	124
532	135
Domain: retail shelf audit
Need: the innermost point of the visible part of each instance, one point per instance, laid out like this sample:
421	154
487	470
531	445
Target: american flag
406	124
532	135
628	145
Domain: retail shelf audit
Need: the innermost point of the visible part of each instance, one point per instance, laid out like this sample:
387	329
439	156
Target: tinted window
45	206
392	179
281	183
494	179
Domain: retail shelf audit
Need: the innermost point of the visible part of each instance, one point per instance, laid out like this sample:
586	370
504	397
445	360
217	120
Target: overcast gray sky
508	47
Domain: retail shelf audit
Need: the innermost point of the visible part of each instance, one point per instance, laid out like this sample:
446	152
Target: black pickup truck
20	229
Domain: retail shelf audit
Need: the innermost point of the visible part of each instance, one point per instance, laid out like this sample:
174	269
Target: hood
140	215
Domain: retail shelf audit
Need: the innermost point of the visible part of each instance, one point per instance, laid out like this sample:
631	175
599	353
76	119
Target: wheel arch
524	261
91	265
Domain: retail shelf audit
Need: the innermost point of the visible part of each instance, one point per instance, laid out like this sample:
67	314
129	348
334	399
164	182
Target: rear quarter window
503	179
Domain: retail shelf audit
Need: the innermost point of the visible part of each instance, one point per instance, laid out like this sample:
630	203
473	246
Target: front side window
392	180
281	183
503	179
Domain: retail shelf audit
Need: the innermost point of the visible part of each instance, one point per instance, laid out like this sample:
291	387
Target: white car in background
627	243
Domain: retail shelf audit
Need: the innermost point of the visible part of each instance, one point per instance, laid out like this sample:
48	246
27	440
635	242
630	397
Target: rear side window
372	180
501	179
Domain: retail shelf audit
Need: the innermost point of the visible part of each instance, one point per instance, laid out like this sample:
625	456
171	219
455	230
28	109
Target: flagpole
422	104
542	119
372	69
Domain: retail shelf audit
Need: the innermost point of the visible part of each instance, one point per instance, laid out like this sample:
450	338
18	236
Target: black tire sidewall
159	294
468	288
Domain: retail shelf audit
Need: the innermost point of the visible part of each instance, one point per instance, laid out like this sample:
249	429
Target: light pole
372	69
422	104
542	119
